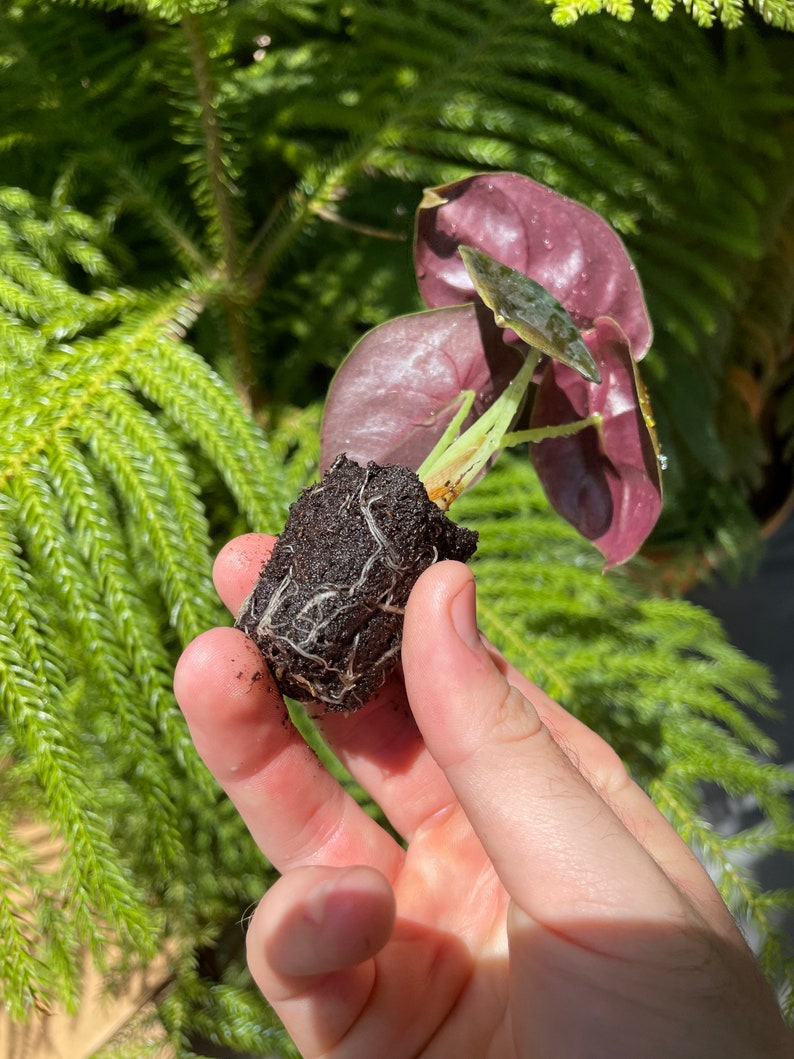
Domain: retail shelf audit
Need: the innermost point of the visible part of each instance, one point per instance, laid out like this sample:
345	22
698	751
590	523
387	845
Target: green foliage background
204	205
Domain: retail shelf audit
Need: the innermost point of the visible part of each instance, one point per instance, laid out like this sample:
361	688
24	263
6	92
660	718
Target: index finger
238	565
380	744
295	810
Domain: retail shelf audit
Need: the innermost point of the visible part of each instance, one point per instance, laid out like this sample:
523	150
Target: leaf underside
400	386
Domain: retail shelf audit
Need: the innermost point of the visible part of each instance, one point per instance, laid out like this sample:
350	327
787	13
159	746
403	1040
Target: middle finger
295	810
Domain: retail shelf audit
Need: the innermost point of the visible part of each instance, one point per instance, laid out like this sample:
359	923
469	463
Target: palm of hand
440	985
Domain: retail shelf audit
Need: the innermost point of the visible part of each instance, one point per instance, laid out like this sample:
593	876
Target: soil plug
327	611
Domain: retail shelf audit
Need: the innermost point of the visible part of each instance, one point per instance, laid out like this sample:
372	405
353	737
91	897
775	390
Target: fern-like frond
40	705
105	560
39	961
99	85
762	350
229	1013
37	302
176	379
705	13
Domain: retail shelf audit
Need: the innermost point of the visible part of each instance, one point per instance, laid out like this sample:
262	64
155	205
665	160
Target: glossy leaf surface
522	305
606	482
401	384
566	247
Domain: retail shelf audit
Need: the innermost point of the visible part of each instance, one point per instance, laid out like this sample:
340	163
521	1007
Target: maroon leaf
400	385
606	482
564	246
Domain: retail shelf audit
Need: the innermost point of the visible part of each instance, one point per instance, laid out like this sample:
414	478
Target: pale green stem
451	467
446	439
564	430
455	462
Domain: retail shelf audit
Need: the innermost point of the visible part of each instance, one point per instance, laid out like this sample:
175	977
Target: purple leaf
400	385
564	246
607	482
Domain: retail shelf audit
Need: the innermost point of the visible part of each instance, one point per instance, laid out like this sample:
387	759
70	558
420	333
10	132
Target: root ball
327	610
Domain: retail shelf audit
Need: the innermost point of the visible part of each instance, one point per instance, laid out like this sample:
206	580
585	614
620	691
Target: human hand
539	905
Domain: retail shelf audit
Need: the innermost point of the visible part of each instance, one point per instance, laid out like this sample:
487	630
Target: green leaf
520	303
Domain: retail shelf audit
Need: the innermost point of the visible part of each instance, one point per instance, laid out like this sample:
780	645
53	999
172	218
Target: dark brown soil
327	610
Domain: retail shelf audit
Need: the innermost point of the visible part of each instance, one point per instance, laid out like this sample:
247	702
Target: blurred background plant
204	205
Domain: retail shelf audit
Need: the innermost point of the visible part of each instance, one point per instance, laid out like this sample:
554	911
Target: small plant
440	393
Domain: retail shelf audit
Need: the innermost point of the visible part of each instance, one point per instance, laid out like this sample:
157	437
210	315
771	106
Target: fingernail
463	612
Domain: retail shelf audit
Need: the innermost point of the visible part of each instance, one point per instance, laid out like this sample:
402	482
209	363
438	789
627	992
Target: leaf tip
431	199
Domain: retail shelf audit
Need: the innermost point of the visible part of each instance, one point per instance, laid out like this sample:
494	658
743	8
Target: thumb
556	845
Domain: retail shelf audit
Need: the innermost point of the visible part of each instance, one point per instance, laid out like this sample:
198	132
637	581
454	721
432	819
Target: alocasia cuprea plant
440	393
399	388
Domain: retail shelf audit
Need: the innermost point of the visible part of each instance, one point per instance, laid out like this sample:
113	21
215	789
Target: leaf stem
562	430
452	466
455	461
449	435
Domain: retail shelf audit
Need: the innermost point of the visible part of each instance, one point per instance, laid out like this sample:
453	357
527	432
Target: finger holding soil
237	566
380	746
295	810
